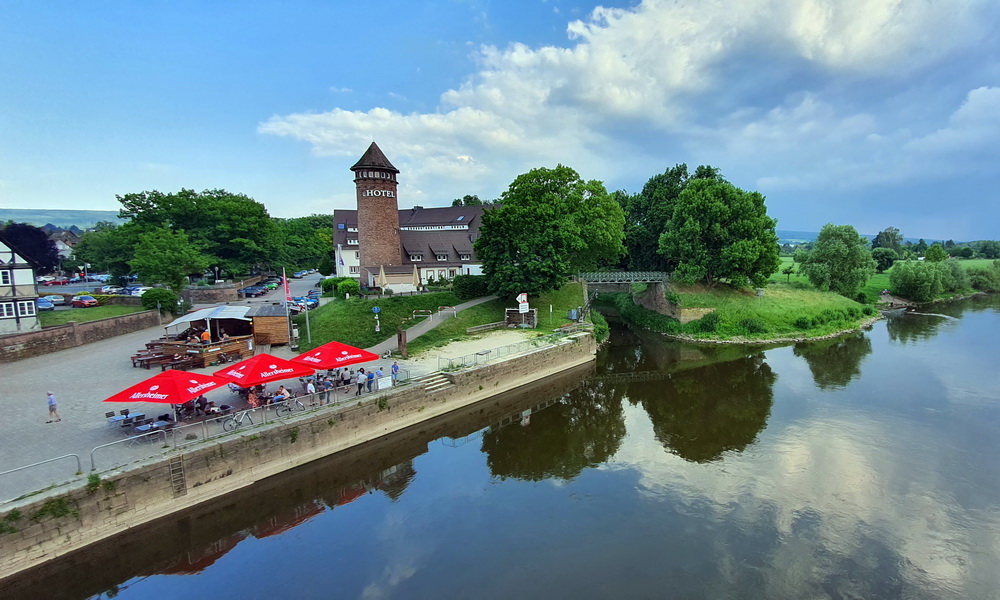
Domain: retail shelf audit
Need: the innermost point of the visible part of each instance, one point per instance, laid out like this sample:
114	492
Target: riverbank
44	526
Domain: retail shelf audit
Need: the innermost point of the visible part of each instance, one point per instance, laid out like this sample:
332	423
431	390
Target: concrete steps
434	382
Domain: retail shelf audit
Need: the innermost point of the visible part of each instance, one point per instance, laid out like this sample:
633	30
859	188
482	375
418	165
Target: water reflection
904	327
835	362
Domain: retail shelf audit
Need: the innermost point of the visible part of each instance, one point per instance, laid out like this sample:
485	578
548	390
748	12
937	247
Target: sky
872	113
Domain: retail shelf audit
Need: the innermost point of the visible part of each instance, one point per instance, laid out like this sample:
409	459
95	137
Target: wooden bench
180	363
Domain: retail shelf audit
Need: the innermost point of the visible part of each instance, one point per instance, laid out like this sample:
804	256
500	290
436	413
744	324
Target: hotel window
442	256
5	278
451	273
416	257
26	309
357	255
353	229
355	269
352	242
465	256
7	310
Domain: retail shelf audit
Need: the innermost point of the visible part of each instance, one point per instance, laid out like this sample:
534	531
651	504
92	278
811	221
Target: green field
83	315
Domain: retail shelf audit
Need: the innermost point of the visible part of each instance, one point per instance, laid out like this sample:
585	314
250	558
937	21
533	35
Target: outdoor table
119	418
155	425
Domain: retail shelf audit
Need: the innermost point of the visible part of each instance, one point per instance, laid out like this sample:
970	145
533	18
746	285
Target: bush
709	323
167	299
601	329
984	279
868	310
918	281
803	323
752	325
348	286
468	287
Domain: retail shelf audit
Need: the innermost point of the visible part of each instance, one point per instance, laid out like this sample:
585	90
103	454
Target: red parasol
261	368
168	387
334	354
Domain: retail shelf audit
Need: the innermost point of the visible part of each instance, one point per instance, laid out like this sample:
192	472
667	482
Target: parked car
44	304
139	291
43	278
269	285
57	281
112	289
252	291
56	299
83	301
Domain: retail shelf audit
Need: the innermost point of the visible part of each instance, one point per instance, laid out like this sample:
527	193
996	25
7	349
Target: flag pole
288	298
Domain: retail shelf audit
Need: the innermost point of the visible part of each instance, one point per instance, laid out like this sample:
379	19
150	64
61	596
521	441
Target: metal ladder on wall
177	479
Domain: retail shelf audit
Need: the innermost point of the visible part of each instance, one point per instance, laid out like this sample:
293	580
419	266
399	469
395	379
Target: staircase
434	382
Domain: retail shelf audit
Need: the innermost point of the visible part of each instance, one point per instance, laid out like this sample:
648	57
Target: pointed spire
373	158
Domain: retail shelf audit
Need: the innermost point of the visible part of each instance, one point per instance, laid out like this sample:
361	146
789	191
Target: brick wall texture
36	343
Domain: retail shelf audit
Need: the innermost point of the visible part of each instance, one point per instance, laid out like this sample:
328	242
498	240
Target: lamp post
216	274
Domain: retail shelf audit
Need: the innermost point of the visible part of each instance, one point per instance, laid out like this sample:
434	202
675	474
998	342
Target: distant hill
64	219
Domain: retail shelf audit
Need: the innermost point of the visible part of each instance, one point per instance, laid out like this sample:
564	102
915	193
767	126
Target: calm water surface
862	467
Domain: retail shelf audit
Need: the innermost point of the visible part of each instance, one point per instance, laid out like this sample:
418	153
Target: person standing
311	391
395	372
206	337
361	381
53	413
371	380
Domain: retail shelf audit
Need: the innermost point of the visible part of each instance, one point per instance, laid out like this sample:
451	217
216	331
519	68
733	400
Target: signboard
522	298
522	307
376	309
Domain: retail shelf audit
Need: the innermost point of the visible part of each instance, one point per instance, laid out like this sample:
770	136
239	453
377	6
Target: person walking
361	381
53	413
371	380
395	372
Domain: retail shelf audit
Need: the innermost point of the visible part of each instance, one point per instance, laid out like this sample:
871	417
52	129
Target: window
416	258
460	217
7	310
352	229
341	226
357	255
440	273
442	256
451	273
465	256
26	308
4	277
355	269
352	242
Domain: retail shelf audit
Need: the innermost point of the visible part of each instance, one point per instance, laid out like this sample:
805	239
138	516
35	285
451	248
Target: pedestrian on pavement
395	372
371	380
347	379
361	381
52	408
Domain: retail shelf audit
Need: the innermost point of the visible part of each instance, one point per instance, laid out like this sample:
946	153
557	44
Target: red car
60	281
83	301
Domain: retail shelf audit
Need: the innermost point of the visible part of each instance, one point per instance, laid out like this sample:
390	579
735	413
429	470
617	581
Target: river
860	467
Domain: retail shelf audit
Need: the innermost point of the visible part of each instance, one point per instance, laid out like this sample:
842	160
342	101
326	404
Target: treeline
169	237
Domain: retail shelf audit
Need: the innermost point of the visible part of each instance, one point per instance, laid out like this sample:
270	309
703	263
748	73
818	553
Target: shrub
709	323
468	287
984	279
752	325
917	281
601	329
868	310
167	299
348	286
803	323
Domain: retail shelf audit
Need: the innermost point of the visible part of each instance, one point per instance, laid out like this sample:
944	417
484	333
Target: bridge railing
624	276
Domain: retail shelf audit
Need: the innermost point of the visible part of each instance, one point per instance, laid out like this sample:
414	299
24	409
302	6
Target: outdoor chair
124	412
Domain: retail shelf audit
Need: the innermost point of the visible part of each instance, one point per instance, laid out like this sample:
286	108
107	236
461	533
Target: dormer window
352	242
465	257
416	258
442	256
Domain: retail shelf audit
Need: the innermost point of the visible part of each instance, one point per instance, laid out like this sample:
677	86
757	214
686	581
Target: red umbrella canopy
169	387
334	354
261	368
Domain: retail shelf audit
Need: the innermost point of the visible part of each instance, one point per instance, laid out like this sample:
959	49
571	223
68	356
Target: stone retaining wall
51	339
64	520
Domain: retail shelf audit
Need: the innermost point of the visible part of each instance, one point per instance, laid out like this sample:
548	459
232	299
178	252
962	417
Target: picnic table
181	362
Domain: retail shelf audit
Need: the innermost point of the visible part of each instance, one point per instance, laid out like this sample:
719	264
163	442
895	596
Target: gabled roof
373	157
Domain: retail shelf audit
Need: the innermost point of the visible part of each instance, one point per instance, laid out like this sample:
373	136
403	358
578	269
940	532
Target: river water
861	467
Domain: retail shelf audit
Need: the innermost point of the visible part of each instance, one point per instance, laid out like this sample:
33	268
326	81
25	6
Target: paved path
81	379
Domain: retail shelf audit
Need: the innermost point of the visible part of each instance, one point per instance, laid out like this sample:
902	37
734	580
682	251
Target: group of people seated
198	407
258	395
202	336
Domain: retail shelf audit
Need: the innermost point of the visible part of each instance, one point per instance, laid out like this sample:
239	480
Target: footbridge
625	277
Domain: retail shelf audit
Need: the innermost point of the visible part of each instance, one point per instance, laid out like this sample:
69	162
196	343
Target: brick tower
378	212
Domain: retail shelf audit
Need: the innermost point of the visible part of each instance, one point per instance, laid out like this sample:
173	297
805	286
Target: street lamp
216	274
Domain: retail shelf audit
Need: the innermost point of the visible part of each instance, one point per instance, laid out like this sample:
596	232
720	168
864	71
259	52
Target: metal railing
624	276
79	467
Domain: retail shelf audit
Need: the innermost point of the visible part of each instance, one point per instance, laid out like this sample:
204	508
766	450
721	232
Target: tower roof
373	158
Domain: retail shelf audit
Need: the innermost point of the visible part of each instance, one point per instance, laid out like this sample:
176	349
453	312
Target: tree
326	266
548	224
647	214
884	257
891	238
303	241
168	257
920	247
108	248
917	281
840	260
936	253
718	231
989	249
33	244
788	272
467	200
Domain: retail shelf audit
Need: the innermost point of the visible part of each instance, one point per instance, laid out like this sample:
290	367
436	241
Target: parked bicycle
286	406
233	422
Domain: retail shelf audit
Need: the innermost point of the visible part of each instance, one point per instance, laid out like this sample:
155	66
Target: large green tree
720	232
936	253
303	241
648	212
548	224
839	261
884	257
891	238
168	257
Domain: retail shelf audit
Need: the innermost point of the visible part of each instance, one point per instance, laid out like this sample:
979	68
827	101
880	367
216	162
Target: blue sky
873	113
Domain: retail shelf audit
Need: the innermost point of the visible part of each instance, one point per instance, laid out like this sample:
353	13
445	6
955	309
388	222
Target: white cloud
777	92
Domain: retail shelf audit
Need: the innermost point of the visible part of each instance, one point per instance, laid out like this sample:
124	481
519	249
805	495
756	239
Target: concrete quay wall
50	525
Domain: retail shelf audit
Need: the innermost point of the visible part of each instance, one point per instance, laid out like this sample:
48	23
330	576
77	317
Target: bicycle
286	406
232	422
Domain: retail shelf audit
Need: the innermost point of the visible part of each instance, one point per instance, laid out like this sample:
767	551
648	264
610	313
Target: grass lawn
352	321
83	315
